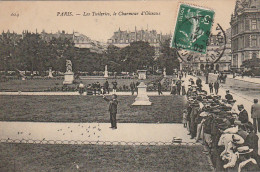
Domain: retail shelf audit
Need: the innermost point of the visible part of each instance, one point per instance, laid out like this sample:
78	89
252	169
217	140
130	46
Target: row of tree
32	53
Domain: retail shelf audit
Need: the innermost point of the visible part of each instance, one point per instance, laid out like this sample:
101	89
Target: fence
29	141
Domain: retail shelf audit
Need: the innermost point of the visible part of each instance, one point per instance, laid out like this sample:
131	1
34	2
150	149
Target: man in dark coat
243	115
199	83
211	87
132	87
178	84
228	96
106	87
112	109
216	86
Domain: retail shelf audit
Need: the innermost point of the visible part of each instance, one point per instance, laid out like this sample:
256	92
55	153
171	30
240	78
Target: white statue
68	66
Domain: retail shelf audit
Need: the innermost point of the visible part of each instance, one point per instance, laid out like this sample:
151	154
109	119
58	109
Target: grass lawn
165	109
42	85
37	157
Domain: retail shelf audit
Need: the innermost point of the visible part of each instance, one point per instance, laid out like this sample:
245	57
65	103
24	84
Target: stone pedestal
141	74
106	72
142	99
68	78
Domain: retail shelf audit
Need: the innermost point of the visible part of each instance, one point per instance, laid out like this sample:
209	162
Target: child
184	119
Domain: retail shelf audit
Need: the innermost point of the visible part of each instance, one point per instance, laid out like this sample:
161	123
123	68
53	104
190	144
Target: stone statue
68	66
68	75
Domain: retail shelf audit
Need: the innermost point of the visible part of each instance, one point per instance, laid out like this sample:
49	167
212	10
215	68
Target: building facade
124	38
245	32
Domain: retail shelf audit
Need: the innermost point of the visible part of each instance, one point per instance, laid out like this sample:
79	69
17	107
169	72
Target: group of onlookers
224	128
96	88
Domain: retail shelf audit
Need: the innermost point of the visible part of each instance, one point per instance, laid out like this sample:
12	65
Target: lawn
42	85
165	109
40	157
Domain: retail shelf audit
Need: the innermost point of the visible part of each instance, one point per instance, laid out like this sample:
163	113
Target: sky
43	15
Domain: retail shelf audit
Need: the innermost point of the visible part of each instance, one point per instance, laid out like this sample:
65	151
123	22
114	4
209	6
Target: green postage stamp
192	28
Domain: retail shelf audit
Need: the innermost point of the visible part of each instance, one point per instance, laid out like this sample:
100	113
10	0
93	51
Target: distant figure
184	118
211	87
199	84
81	88
216	86
132	87
112	109
255	114
106	87
136	86
159	88
114	86
98	88
228	96
183	90
178	85
94	87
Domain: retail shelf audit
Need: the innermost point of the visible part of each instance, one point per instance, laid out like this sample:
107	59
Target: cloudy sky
43	15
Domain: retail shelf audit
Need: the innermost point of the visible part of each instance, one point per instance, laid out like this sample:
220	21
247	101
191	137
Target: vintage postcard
130	85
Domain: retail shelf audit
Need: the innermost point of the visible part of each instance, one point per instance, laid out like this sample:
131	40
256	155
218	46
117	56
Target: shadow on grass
37	157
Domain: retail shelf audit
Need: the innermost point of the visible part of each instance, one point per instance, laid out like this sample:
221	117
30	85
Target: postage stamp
192	28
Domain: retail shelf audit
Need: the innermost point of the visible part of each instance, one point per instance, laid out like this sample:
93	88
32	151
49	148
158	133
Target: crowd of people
96	88
223	126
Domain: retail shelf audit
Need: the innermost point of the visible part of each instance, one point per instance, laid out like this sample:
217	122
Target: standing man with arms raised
112	109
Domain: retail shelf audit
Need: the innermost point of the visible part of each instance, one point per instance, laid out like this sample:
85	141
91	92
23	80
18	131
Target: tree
168	57
138	55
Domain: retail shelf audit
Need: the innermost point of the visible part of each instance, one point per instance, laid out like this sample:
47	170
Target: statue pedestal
68	78
106	74
142	99
141	74
164	74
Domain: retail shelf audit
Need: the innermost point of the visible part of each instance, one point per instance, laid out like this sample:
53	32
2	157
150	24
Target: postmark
193	28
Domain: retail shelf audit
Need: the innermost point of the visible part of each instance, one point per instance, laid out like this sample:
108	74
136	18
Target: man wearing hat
255	114
228	96
243	115
112	109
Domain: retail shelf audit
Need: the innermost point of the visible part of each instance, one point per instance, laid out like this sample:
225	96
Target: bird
43	139
82	134
68	127
29	133
94	133
89	136
71	131
63	133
